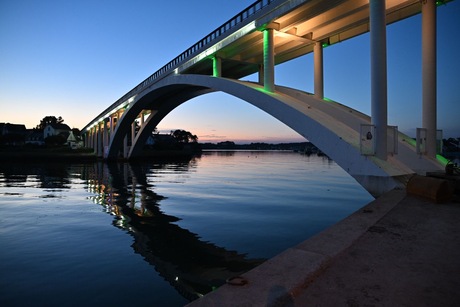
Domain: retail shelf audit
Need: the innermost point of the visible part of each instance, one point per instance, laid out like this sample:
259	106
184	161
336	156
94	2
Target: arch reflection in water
192	266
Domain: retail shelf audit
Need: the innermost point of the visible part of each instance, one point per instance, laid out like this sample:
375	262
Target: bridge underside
333	128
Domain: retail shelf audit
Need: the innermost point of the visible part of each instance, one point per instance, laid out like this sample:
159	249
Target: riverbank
398	250
65	154
38	154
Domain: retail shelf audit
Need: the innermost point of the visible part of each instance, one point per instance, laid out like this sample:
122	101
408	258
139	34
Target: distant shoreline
24	154
49	155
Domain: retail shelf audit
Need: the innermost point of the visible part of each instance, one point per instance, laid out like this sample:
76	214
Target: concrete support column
318	68
91	138
110	129
261	74
111	124
269	60
94	139
216	66
86	137
99	140
133	133
105	137
379	116
125	147
429	110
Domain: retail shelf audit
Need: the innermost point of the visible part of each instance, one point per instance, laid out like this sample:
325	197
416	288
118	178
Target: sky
74	58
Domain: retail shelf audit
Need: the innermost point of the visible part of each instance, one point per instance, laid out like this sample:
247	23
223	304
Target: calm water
158	234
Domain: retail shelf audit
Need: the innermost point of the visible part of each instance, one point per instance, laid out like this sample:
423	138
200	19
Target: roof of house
59	126
6	128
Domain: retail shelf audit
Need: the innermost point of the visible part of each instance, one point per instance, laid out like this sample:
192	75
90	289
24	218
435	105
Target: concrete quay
399	250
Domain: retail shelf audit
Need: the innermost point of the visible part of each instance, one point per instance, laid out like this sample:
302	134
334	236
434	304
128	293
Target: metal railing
198	47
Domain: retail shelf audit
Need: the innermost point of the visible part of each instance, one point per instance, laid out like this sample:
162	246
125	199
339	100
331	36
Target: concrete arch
161	100
332	127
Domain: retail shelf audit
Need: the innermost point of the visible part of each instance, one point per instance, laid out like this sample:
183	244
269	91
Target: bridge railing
198	47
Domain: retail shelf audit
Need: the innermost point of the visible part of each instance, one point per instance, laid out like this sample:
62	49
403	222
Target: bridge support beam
112	123
379	102
133	132
94	139
269	60
125	147
429	112
88	138
318	70
216	66
261	75
99	140
105	138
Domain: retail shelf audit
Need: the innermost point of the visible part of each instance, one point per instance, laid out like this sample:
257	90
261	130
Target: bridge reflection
191	266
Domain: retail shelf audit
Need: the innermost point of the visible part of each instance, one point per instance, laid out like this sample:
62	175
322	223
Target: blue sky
74	58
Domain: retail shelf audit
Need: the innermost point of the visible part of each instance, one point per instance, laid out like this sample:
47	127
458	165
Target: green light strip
442	160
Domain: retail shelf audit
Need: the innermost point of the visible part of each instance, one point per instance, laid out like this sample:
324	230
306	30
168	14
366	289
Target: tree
182	136
47	120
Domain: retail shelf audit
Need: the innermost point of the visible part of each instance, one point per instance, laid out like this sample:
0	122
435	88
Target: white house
56	129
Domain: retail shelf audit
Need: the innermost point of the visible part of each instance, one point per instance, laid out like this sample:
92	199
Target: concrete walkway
397	251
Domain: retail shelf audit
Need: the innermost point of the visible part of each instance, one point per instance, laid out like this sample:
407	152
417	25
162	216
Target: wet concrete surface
411	257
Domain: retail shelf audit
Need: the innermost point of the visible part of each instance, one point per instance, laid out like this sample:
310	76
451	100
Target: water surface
158	234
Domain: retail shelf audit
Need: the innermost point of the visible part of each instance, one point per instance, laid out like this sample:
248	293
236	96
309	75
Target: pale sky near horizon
75	58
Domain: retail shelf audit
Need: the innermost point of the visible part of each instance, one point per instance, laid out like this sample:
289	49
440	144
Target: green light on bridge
263	90
442	160
411	141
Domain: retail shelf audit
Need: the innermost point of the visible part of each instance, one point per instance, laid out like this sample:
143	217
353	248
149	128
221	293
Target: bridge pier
98	140
105	137
379	76
429	75
261	75
318	70
217	66
269	60
94	139
125	147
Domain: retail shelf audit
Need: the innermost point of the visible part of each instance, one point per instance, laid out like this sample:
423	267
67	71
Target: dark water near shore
158	234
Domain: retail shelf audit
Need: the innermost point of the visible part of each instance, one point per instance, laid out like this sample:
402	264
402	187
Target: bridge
270	32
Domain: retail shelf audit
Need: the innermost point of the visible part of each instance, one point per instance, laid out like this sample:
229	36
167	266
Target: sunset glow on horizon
75	59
